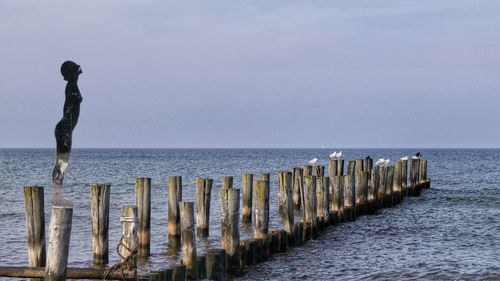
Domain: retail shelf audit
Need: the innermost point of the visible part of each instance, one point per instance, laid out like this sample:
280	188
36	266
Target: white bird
380	161
386	161
339	154
333	155
313	161
415	157
404	158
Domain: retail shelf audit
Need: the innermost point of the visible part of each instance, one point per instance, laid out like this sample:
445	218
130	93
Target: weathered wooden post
388	197
129	241
373	190
318	171
322	197
230	233
307	170
332	167
349	197
143	203
246	186
338	198
404	177
203	195
59	237
423	174
261	212
362	193
265	176
310	216
397	183
285	185
99	206
189	259
351	167
298	181
414	166
368	164
360	165
340	167
35	225
227	182
216	264
174	218
381	186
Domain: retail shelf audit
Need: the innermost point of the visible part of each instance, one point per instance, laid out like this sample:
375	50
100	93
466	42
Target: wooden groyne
308	202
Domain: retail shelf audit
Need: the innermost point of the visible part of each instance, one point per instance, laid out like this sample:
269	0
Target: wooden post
227	182
35	225
318	171
368	164
59	237
351	167
230	233
143	203
360	165
99	206
174	218
397	183
388	198
307	170
423	174
381	186
404	177
362	193
349	197
285	187
373	190
310	216
340	167
261	223
188	240
322	196
332	168
265	176
129	241
203	195
414	166
338	198
298	182
216	264
246	186
201	262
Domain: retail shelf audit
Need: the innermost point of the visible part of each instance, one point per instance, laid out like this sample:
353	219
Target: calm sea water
451	232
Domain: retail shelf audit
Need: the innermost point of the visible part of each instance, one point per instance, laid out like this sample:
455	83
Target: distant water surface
451	232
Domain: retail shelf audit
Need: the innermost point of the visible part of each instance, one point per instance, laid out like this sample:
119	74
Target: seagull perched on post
417	155
380	161
404	158
386	162
313	161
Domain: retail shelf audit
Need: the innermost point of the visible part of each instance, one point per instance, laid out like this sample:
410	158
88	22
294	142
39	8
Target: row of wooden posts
320	200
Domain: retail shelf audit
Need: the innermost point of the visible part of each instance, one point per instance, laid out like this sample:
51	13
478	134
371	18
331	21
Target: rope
123	265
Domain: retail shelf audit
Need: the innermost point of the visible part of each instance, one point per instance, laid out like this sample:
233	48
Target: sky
339	74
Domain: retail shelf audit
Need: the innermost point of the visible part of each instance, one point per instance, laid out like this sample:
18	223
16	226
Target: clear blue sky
416	73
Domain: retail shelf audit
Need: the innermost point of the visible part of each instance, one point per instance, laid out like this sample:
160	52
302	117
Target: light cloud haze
254	73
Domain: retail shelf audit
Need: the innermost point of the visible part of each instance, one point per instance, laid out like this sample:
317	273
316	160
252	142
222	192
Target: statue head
70	71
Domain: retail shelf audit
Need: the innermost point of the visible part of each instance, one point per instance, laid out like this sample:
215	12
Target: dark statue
64	129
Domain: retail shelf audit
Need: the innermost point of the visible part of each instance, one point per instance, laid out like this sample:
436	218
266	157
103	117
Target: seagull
386	161
404	158
333	155
380	161
417	155
313	161
339	154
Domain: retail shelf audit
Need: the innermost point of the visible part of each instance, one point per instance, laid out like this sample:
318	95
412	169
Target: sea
450	232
